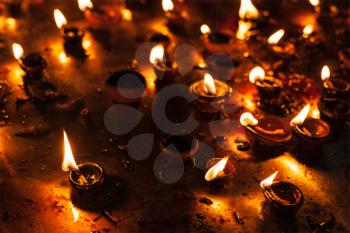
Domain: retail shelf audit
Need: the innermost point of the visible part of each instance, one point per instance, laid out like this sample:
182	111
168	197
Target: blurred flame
17	50
299	119
68	160
126	14
62	57
325	73
75	213
247	10
314	2
86	43
257	73
157	54
243	29
276	37
248	119
268	181
209	85
7	23
205	29
85	4
217	170
167	5
315	113
202	63
59	18
308	29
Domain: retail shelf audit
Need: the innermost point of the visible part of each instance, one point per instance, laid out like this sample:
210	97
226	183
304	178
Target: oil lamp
218	41
210	94
85	177
163	68
32	64
125	86
283	197
185	145
219	170
334	87
268	130
176	20
267	86
72	35
278	46
249	18
335	111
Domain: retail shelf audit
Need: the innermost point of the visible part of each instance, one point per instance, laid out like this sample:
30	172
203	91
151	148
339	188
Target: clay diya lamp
334	87
217	41
162	67
268	87
279	47
268	130
125	86
219	171
176	20
72	36
185	145
335	111
210	94
282	197
32	64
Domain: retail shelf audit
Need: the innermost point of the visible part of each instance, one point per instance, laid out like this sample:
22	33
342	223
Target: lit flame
205	29
17	50
62	57
157	54
217	170
268	181
325	73
314	2
243	29
248	119
209	85
126	14
257	73
85	4
247	10
276	37
167	5
75	213
299	119
68	160
315	113
59	18
86	43
308	29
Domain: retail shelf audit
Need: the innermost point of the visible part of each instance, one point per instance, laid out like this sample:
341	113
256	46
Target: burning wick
162	67
267	86
276	37
176	20
266	183
217	170
248	119
217	41
247	10
299	119
308	30
209	85
278	46
334	87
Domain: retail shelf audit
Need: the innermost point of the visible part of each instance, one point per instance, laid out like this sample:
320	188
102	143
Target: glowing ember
247	10
167	5
217	170
276	37
75	213
17	50
126	14
205	29
209	85
68	160
243	29
59	18
315	2
308	29
325	73
85	4
157	54
299	119
268	181
248	119
257	73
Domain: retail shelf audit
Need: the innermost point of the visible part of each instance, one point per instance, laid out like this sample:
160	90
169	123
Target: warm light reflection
75	213
7	23
249	103
299	119
243	29
325	73
17	50
314	2
205	29
157	54
217	170
268	181
86	43
248	119
126	14
276	37
209	84
202	63
68	160
167	5
315	113
308	29
257	73
63	57
247	10
59	18
85	4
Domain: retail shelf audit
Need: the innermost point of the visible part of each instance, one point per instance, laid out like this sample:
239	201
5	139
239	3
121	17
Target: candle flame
205	29
209	85
315	113
299	119
157	54
257	73
217	170
247	10
243	29
308	29
75	213
68	160
314	2
167	5
85	4
59	18
276	37
126	14
17	50
86	43
325	73
62	57
248	119
268	181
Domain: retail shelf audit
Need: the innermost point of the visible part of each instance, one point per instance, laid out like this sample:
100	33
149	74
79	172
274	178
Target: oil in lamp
84	178
268	87
219	170
176	19
185	145
72	35
218	41
268	130
125	86
163	68
334	87
210	94
279	46
335	111
32	64
283	197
